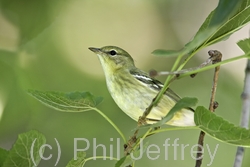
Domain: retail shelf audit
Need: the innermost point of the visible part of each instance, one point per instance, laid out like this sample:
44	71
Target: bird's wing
153	83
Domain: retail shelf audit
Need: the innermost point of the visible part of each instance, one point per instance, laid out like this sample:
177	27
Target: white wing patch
142	77
148	81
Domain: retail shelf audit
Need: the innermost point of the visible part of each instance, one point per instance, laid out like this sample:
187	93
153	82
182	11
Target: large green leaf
232	24
72	102
228	17
219	24
210	123
3	155
25	151
68	102
221	129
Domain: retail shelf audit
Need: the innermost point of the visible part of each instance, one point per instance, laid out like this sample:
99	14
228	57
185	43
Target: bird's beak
95	50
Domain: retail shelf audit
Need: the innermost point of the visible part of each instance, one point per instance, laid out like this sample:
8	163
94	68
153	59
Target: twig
215	57
245	96
154	73
129	146
207	67
141	121
163	90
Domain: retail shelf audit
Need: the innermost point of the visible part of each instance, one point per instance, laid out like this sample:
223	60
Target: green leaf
224	10
186	102
232	24
68	102
125	161
25	151
244	45
72	102
221	129
162	52
228	17
79	162
137	154
3	155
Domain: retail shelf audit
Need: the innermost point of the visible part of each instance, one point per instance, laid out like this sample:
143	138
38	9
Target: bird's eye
112	52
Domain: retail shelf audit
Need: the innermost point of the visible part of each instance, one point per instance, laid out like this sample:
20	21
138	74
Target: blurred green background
43	46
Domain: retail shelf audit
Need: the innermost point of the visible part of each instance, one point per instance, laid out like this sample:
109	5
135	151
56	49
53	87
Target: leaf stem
101	157
189	57
173	129
203	67
215	65
111	122
143	137
133	143
133	140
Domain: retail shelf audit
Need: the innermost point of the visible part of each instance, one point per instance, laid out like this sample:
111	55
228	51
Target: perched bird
133	89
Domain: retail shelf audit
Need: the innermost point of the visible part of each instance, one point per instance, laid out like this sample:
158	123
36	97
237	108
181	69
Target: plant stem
183	71
173	129
189	57
215	65
163	90
201	68
133	140
111	122
101	157
245	96
142	119
216	58
130	144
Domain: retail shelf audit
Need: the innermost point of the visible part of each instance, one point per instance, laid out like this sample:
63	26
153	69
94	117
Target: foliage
226	19
25	151
68	102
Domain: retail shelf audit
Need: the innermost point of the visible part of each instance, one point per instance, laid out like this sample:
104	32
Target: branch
245	96
215	57
203	67
154	73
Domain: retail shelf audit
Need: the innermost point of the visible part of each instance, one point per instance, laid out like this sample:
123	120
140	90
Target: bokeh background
44	46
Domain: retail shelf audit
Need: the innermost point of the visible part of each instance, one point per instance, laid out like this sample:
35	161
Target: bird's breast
133	98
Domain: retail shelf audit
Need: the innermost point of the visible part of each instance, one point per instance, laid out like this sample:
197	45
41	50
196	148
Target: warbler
133	89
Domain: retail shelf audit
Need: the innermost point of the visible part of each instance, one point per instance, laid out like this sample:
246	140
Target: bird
133	89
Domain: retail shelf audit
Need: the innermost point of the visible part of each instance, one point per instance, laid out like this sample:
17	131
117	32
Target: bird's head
113	58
